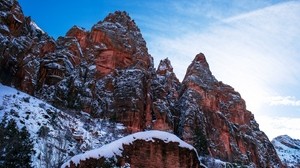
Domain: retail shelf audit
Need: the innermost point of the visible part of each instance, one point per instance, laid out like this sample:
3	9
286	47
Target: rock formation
108	73
144	149
213	112
22	45
165	86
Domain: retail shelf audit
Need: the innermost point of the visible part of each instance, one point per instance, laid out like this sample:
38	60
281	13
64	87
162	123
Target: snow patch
18	20
4	27
36	27
92	67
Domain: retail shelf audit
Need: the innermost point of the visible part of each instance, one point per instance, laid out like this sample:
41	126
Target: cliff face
105	71
22	46
108	73
214	112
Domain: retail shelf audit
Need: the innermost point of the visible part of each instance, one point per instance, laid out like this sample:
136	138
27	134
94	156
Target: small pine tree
16	147
26	147
2	140
10	144
200	142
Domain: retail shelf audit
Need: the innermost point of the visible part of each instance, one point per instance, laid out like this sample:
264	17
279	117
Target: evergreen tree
201	143
11	144
15	146
26	148
2	140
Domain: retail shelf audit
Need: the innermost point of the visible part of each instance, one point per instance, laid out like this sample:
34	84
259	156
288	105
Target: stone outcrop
144	149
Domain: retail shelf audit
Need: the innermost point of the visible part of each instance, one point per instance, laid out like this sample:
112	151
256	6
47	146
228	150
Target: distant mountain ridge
106	74
288	149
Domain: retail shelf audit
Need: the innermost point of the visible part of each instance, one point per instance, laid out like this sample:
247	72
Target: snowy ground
57	135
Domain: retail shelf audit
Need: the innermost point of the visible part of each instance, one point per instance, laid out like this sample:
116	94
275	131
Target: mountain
288	150
91	87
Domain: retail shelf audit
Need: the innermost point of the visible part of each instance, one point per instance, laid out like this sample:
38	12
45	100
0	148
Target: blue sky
253	46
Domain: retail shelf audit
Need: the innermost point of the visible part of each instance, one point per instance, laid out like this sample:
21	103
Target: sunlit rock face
115	43
214	112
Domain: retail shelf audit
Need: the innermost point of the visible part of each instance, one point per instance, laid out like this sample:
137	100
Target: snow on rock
116	148
36	27
57	135
4	28
288	150
165	65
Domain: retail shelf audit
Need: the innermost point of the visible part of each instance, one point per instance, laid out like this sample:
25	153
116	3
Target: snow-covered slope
57	135
288	150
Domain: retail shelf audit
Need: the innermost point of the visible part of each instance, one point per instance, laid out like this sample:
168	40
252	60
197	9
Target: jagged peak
199	72
118	16
200	58
165	65
122	18
74	30
77	28
165	69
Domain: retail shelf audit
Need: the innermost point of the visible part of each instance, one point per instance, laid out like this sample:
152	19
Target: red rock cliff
106	71
214	112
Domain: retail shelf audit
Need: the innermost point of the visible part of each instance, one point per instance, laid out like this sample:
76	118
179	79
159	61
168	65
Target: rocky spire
199	72
165	86
122	18
214	113
164	67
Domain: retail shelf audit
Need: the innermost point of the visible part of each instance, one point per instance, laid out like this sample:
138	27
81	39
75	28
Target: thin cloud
285	101
275	126
217	9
